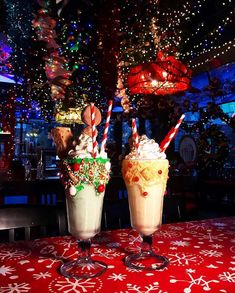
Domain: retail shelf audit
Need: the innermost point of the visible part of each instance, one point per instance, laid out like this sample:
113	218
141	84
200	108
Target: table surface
201	254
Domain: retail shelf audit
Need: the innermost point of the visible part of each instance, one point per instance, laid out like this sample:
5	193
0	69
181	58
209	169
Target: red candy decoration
159	171
129	165
76	167
101	188
145	193
136	179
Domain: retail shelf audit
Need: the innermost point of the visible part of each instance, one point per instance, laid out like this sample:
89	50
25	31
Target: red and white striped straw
171	134
106	128
135	135
94	132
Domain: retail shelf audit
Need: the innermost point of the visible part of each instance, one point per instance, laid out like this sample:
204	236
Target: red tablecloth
201	254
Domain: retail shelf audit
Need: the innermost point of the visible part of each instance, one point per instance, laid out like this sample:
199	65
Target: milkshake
85	173
145	175
84	212
86	178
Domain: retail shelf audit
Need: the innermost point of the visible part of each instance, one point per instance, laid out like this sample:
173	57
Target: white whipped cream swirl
148	149
85	148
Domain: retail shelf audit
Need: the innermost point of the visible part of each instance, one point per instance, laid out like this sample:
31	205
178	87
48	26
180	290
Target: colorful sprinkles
94	171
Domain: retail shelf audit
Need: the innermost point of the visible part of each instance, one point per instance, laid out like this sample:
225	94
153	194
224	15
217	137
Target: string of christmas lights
219	51
207	42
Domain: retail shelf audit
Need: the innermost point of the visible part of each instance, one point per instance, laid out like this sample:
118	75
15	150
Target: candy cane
171	134
94	131
106	128
135	135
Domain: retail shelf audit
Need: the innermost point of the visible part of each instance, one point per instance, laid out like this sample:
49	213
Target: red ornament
136	179
145	193
129	165
76	167
160	172
164	76
101	188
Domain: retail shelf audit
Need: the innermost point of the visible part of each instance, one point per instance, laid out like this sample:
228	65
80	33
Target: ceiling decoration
103	44
164	76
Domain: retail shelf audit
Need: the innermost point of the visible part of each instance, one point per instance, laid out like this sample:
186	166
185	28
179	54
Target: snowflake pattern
211	253
211	238
42	275
107	253
6	270
180	243
200	281
54	258
182	259
66	242
186	251
75	286
193	227
168	234
16	288
117	277
216	246
146	289
226	276
13	254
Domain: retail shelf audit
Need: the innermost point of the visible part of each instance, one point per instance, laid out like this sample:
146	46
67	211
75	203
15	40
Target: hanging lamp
164	76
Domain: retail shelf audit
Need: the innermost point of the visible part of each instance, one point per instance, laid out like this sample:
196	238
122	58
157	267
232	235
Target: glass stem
84	247
146	246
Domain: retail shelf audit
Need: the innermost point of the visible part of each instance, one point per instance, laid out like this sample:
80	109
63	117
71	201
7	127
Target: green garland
86	171
219	141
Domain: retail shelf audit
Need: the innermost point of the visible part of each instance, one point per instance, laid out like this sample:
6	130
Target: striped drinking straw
135	135
106	128
171	134
94	132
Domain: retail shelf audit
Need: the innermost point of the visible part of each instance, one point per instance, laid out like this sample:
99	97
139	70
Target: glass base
80	269
146	260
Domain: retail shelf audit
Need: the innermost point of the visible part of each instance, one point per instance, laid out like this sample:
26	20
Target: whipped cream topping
148	149
84	149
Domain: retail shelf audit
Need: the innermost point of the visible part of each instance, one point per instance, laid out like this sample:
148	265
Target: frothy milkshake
145	174
84	212
86	179
84	172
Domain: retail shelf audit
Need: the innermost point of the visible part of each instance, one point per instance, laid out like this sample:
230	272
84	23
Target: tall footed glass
146	183
84	203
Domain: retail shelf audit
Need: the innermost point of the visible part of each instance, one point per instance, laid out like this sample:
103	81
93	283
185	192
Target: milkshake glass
86	179
146	180
84	212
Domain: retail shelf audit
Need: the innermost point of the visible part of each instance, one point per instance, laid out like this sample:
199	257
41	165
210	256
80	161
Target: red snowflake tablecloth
201	254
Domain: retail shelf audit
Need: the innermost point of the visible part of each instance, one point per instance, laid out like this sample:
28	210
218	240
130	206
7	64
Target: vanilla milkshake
145	175
86	179
84	212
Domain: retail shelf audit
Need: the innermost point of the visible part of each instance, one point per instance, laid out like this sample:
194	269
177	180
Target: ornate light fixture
72	115
166	75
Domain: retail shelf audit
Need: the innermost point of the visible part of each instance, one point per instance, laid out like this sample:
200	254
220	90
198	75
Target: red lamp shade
166	75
